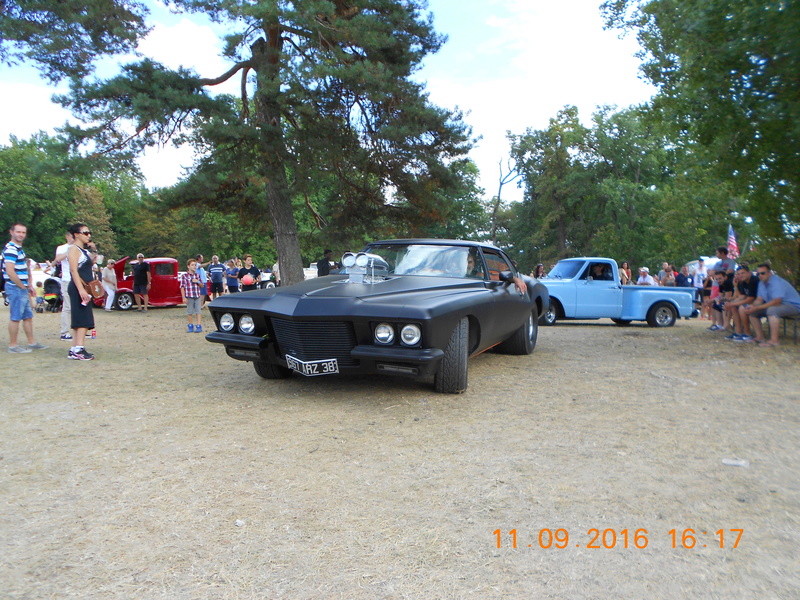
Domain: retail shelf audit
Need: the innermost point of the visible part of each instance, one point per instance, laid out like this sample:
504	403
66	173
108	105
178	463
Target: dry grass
166	470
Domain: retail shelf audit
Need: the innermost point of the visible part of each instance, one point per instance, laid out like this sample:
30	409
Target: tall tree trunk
266	58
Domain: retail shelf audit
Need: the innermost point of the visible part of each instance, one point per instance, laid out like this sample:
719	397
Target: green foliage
90	209
36	191
64	38
727	74
620	189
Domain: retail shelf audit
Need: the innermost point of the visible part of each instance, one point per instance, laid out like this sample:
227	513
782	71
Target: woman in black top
80	268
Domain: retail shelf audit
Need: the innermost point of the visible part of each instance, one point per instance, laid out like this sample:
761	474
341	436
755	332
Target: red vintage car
164	286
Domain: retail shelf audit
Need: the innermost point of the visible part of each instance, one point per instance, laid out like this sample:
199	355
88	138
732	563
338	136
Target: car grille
316	340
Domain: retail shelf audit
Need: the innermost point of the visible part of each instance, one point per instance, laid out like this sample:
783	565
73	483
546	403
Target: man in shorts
216	272
19	289
141	282
776	298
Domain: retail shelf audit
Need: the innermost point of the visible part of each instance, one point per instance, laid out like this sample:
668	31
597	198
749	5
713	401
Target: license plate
313	367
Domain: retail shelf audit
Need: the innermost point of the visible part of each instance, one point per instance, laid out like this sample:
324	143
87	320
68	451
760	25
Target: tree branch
245	64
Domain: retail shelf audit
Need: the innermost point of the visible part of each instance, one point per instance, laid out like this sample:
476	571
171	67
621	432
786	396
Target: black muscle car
413	307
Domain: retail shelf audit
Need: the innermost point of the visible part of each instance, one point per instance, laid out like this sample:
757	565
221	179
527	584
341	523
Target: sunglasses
85	232
763	272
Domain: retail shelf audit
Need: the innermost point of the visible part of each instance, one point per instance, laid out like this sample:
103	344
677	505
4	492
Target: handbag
94	288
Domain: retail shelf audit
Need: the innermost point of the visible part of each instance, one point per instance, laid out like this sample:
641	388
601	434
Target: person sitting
472	267
775	298
600	272
644	277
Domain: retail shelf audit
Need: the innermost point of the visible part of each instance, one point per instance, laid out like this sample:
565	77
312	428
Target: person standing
625	275
201	272
276	273
19	290
324	264
110	283
192	296
61	259
232	277
216	272
80	267
249	269
141	282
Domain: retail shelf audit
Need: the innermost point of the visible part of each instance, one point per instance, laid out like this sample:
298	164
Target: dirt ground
165	470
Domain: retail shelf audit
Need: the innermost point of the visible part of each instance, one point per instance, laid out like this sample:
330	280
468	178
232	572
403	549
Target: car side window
163	269
496	263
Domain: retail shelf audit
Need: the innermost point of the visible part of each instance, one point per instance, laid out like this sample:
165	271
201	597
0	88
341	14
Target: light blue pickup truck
589	288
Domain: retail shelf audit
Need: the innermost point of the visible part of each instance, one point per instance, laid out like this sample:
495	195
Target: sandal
767	345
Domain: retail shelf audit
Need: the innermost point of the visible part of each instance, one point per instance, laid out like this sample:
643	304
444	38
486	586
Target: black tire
662	314
621	322
270	370
451	378
523	340
550	316
124	301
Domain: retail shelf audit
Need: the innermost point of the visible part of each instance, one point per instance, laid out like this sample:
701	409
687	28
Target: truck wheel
550	316
621	322
124	301
270	370
662	314
452	375
523	340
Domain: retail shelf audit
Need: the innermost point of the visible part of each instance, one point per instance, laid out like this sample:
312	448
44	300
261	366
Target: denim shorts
18	302
193	306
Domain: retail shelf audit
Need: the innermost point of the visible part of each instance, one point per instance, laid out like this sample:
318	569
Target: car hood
332	294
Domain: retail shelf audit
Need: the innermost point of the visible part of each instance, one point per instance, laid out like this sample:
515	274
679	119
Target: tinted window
496	263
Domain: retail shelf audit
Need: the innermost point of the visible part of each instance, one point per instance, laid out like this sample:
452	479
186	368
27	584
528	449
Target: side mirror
506	276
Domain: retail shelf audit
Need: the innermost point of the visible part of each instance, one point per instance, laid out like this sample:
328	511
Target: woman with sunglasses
80	268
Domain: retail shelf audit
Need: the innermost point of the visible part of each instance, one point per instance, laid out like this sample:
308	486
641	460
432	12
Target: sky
509	65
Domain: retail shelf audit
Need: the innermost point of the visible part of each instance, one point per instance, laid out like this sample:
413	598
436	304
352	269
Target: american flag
733	247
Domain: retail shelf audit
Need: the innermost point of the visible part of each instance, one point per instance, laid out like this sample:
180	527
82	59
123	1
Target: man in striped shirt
18	287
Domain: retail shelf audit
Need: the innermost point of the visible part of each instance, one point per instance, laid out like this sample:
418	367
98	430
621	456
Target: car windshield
429	259
566	269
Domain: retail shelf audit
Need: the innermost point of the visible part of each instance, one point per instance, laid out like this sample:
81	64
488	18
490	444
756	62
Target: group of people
75	260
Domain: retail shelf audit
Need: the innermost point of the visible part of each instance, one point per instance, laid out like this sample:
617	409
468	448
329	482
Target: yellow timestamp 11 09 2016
609	538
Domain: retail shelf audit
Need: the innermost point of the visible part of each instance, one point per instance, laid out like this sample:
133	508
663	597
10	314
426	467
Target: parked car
589	288
164	285
399	307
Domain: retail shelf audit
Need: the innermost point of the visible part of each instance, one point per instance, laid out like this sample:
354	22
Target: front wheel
270	370
124	301
662	314
452	375
550	316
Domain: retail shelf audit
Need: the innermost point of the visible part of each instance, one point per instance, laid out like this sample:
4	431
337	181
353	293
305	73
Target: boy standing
191	295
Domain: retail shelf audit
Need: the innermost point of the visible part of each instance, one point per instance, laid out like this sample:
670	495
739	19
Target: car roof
436	242
593	258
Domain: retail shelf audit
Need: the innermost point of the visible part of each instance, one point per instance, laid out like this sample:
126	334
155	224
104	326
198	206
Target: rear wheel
270	370
452	375
523	341
124	301
662	314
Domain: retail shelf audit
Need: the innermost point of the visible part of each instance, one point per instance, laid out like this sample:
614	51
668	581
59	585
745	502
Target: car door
598	297
164	288
510	308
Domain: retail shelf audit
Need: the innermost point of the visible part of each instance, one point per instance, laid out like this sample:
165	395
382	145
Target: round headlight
410	335
246	324
384	333
348	259
226	322
362	260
